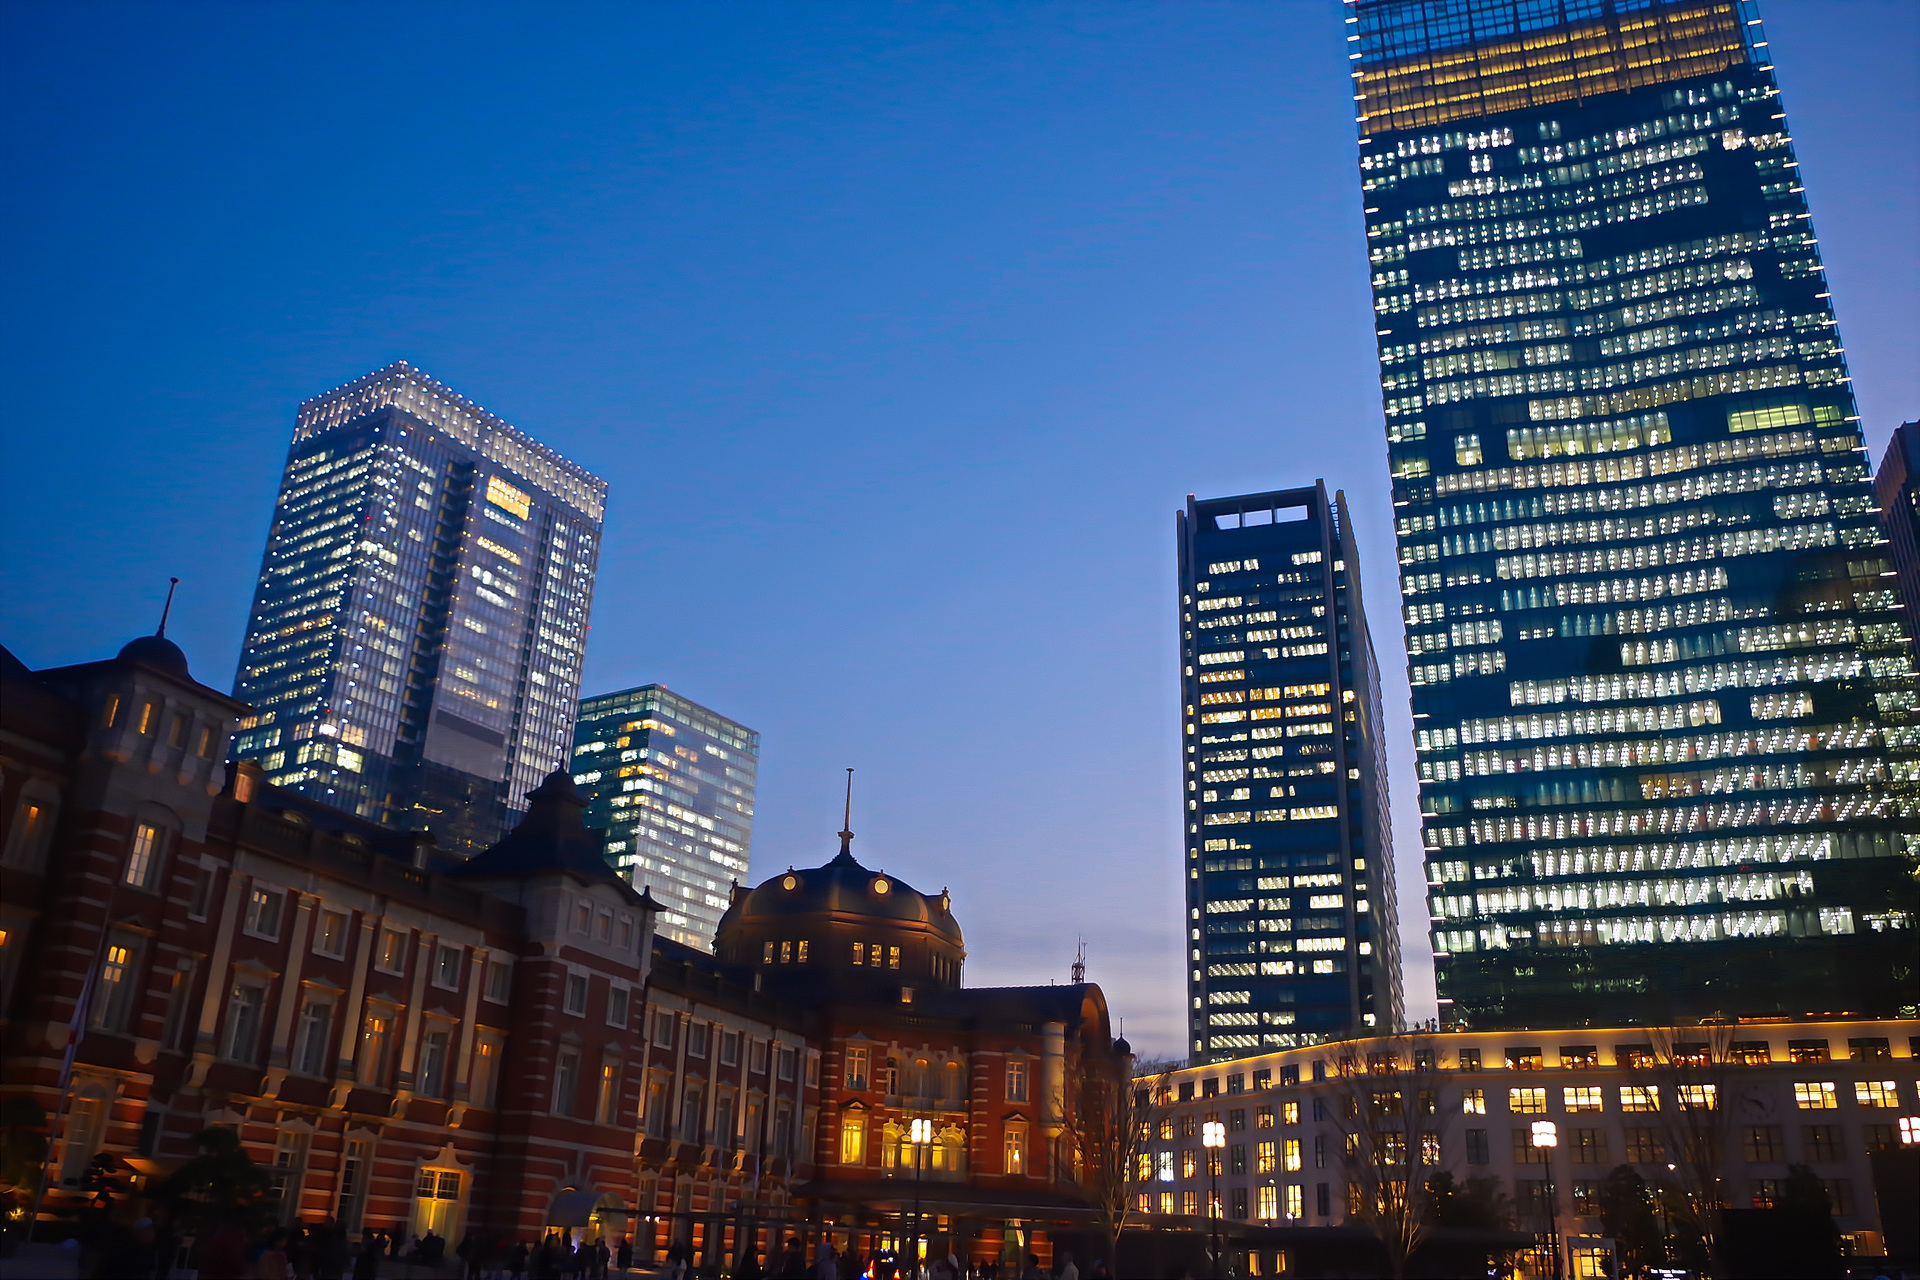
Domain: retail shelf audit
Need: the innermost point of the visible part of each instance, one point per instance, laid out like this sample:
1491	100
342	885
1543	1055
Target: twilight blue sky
899	331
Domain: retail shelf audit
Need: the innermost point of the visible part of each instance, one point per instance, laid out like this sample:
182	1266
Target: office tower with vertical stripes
1291	925
415	644
1663	702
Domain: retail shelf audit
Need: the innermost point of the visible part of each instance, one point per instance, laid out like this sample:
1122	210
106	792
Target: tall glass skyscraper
1290	901
415	645
671	784
1664	711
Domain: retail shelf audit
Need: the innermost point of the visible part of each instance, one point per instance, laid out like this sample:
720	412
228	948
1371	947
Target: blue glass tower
1664	706
671	784
1292	934
415	644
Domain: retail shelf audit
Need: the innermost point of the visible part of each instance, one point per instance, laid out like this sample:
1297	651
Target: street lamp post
919	1134
1213	1136
1546	1136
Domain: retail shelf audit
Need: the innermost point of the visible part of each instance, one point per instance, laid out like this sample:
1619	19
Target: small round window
790	882
881	886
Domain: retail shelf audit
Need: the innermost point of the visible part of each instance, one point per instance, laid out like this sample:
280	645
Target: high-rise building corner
413	654
670	785
1663	698
1290	918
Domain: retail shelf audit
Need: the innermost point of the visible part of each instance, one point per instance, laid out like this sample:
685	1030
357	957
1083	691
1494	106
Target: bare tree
1684	1073
1391	1121
1106	1132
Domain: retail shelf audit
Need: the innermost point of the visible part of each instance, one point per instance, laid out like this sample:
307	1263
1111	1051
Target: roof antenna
171	584
1080	964
846	823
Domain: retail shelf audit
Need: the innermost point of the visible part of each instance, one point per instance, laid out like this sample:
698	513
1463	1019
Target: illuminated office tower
1662	700
1291	932
414	650
670	783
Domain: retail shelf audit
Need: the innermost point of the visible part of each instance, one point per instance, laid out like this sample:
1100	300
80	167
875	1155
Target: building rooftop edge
401	368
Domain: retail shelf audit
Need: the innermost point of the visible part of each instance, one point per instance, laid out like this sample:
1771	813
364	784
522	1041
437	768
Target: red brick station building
499	1045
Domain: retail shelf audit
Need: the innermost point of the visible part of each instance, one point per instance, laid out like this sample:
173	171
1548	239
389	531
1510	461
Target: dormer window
604	931
582	915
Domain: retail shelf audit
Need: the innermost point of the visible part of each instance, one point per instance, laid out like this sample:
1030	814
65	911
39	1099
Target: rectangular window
893	957
180	1007
1644	1146
1290	1155
200	897
853	1137
243	1021
499	980
1586	1146
729	1048
1296	1205
1876	1093
1473	1102
576	994
789	1063
1639	1097
697	1039
1237	1159
1238	1203
566	1081
485	1076
856	1069
263	912
692	1116
143	855
1264	1157
1583	1098
374	1035
1527	1102
1815	1095
310	1043
1807	1052
663	1030
1823	1143
330	934
1016	1082
1014	1148
607	1109
393	952
114	988
1477	1149
617	1005
432	1082
353	1184
756	1056
447	963
1269	1202
1524	1152
1762	1144
1698	1097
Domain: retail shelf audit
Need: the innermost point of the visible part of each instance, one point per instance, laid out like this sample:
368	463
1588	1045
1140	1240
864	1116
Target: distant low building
1745	1099
670	785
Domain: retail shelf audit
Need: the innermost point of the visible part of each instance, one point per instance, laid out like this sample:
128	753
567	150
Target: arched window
949	1152
31	834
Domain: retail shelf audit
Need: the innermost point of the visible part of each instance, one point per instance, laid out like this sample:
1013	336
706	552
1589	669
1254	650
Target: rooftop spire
167	608
846	822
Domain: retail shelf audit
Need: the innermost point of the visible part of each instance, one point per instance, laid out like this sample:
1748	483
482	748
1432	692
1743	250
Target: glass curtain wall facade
1292	933
671	784
416	637
1897	493
1663	704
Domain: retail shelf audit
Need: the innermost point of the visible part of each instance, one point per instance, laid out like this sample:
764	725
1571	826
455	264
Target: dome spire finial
166	609
846	822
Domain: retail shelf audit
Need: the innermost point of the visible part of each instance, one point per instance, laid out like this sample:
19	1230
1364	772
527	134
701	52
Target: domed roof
843	887
157	651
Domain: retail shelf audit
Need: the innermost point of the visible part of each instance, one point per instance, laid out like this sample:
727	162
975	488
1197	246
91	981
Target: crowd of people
790	1263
